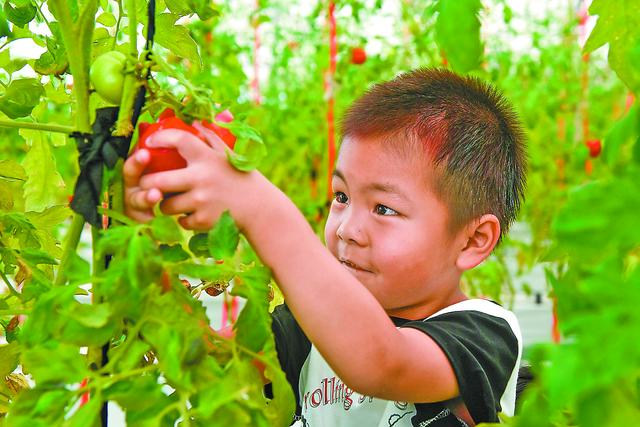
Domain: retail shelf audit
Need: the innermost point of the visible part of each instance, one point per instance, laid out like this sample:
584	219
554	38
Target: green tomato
107	75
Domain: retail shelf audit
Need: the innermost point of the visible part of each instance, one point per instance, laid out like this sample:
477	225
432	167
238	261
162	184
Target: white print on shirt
332	391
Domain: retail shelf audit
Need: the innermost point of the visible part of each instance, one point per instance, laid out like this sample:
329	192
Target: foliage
199	67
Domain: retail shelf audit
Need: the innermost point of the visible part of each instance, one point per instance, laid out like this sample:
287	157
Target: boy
430	174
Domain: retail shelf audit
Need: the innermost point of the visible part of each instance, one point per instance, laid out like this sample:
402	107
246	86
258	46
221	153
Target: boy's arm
339	315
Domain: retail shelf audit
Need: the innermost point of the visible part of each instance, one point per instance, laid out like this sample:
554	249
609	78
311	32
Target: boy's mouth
352	265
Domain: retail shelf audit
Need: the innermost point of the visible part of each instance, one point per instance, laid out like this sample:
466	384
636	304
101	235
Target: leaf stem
10	286
14	311
70	246
36	126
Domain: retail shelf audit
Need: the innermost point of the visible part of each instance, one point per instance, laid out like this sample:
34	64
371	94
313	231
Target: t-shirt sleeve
483	351
292	345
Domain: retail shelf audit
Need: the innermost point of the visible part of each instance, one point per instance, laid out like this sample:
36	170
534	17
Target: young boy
376	331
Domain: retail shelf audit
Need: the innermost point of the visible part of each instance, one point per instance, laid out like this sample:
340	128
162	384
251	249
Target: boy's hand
138	203
208	186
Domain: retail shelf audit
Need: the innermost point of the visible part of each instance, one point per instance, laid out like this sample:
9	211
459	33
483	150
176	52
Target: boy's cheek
330	233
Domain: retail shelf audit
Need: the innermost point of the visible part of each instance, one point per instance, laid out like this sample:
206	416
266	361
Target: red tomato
358	55
164	159
223	133
595	147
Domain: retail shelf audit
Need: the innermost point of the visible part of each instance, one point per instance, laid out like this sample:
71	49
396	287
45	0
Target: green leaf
247	154
173	253
86	415
224	237
201	271
619	25
4	25
78	270
21	14
11	65
9	356
107	19
52	62
34	257
44	184
11	170
54	362
20	97
458	33
166	229
90	315
50	217
253	327
198	244
176	38
39	407
624	131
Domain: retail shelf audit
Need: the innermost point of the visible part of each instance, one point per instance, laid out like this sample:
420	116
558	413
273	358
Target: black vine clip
96	150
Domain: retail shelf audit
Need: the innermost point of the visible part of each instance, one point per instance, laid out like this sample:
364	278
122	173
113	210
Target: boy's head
431	172
467	132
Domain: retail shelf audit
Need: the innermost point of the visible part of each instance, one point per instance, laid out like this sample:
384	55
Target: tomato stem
70	244
129	91
45	127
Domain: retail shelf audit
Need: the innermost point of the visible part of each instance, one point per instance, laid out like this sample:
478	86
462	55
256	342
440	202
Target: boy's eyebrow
376	186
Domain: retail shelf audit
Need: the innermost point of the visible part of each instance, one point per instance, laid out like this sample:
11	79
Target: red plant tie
329	93
583	18
555	329
84	399
255	83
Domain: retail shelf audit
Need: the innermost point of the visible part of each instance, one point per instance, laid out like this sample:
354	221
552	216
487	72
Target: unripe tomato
358	56
107	75
165	159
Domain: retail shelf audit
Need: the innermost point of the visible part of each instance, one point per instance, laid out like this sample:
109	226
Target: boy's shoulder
472	319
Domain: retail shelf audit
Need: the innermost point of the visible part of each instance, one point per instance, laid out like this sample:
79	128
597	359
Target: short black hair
469	131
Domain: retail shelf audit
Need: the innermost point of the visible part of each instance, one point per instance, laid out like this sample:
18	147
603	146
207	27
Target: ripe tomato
595	147
164	159
107	75
358	55
223	133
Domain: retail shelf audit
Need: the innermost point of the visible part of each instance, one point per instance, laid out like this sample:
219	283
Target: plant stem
36	126
70	246
10	286
129	91
77	55
132	335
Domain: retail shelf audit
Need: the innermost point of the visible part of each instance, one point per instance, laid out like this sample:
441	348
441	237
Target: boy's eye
340	197
384	210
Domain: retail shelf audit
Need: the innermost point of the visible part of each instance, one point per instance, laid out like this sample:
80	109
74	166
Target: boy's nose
351	231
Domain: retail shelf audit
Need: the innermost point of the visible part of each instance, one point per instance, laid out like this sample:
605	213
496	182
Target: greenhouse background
77	346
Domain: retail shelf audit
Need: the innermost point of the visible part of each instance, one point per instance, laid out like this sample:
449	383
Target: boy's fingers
212	138
144	200
188	145
177	204
134	166
173	181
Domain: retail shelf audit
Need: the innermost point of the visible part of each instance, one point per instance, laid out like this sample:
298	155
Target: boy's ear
480	237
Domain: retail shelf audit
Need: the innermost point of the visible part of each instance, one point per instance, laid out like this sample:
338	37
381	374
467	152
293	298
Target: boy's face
390	231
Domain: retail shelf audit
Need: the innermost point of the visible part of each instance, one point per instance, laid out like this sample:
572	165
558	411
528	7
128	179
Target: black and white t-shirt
481	339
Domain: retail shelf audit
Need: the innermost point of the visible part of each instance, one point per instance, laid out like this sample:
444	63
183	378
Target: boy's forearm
338	314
